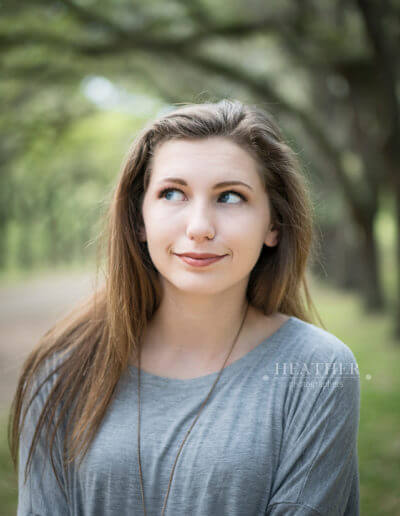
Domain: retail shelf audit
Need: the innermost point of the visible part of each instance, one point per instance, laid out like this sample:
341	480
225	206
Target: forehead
216	155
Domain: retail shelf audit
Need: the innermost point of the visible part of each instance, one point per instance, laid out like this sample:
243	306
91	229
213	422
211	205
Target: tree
343	51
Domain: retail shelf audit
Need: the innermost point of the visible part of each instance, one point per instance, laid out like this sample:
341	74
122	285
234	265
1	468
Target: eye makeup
162	193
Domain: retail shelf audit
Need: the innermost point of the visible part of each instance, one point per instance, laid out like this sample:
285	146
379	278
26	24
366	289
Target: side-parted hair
93	345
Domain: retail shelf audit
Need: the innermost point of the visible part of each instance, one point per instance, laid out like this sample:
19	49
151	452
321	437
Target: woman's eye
166	191
242	197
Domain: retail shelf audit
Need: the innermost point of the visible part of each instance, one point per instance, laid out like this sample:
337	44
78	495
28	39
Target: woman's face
191	214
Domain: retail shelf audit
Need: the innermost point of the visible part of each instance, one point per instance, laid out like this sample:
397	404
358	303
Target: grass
8	483
378	356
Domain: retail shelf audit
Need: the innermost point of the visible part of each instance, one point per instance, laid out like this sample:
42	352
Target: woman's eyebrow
217	185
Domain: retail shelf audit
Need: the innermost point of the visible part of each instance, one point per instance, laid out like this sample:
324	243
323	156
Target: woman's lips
202	262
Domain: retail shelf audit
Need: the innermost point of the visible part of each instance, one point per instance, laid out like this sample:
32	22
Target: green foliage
60	187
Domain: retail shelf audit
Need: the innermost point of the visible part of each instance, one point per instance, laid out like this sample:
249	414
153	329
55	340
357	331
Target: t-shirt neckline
150	378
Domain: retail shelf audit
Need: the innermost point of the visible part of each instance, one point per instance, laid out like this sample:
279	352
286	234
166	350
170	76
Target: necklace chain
190	429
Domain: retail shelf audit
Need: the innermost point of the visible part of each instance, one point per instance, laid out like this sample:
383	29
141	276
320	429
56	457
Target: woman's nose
200	223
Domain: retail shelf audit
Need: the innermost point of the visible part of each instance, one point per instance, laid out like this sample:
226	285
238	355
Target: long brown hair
95	343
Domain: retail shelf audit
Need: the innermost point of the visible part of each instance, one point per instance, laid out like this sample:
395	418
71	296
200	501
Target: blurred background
79	78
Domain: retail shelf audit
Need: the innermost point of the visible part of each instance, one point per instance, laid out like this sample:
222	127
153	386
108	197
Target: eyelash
162	193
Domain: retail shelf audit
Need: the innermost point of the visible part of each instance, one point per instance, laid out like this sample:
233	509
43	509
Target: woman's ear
271	237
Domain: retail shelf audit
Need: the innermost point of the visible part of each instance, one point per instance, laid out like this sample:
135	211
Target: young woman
194	382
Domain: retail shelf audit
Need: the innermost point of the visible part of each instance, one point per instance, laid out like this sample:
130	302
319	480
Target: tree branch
386	63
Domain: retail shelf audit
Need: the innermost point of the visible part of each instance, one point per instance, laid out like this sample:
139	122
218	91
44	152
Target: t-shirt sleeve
317	472
40	494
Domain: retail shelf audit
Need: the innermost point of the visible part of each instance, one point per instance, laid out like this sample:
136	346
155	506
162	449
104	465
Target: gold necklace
190	429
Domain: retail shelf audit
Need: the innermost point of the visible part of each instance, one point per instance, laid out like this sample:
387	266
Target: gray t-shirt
277	437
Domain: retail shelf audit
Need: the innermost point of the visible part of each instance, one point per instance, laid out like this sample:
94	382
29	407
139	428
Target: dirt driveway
27	310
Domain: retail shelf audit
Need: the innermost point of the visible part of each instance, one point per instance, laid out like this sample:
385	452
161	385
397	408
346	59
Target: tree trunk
374	299
350	260
397	307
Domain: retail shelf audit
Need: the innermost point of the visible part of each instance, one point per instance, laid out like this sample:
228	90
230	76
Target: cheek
157	222
246	229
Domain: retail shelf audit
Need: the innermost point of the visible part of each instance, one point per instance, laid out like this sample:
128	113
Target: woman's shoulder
307	341
43	376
